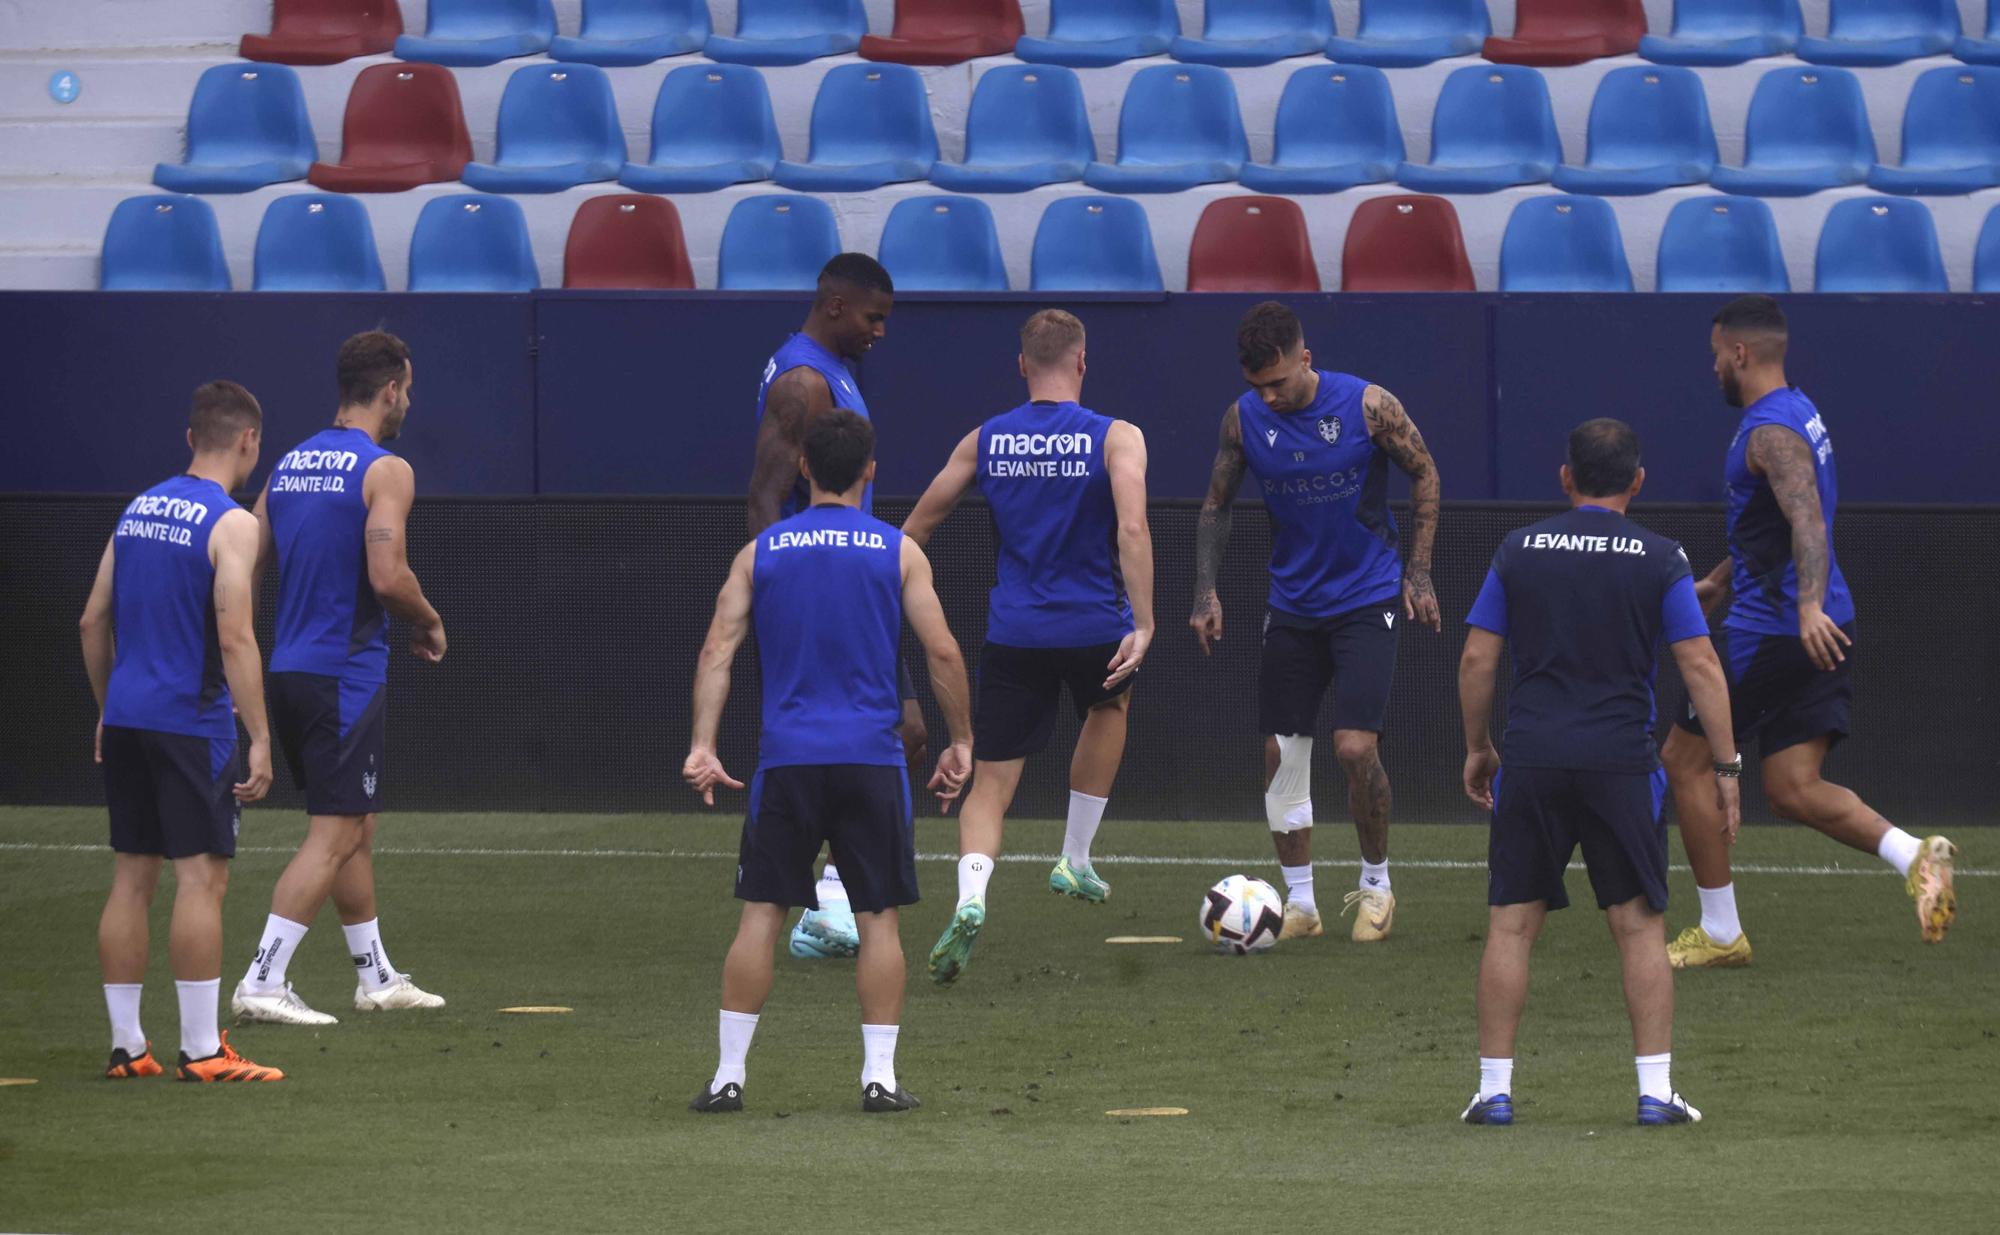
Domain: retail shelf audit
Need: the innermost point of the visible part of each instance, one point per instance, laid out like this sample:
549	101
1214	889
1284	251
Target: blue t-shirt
167	671
827	606
1763	577
800	351
1057	584
329	621
1584	599
1326	485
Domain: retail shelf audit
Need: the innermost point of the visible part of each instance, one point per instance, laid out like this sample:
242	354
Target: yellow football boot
1693	949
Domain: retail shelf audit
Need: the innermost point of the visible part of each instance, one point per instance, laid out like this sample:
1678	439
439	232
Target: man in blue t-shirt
1584	599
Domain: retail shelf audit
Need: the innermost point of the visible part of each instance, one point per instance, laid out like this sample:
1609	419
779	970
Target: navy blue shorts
906	686
1541	815
860	810
332	734
1020	690
1354	652
1777	697
171	794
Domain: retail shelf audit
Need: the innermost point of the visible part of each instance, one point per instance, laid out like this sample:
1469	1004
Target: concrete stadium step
88	145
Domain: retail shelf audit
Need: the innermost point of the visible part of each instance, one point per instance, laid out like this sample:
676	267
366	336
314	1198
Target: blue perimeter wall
654	393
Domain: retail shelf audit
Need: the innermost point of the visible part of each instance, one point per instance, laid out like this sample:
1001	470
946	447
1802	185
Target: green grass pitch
1851	1079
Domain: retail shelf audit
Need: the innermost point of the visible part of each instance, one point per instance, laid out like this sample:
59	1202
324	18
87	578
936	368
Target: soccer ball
1242	915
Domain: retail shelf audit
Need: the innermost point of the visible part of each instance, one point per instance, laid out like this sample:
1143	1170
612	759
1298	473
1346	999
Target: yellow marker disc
539	1008
1144	939
1130	1111
17	1080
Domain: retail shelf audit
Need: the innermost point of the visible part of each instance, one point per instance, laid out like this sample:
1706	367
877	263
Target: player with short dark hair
826	592
1584	599
171	651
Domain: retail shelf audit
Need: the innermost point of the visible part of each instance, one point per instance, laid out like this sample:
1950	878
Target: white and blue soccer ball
1242	915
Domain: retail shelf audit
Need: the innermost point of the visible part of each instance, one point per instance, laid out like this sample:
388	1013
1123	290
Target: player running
809	375
826	592
175	586
333	513
1072	606
1786	643
1316	441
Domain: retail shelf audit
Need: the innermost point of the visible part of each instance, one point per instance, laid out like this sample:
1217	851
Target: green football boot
954	948
1078	881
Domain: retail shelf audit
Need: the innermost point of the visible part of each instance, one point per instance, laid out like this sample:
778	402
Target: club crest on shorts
368	783
1329	429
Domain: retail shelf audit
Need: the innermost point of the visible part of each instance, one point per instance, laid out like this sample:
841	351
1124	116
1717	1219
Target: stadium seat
1718	32
630	32
1252	244
1027	127
627	240
1408	243
712	127
1178	127
871	126
316	242
1557	32
1336	128
1951	134
1407	33
1986	256
475	32
1808	130
1649	130
1986	50
1094	244
1493	127
941	243
789	31
1090	34
1874	32
1239	33
1564	244
162	243
1879	244
325	31
776	242
1721	244
558	129
247	127
947	32
472	242
404	127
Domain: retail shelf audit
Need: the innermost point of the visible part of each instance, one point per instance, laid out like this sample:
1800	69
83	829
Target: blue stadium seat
472	242
789	31
1951	134
558	129
1717	32
1649	130
1721	244
629	32
1027	127
871	126
247	127
1090	34
776	242
1872	32
1178	127
1982	51
163	243
1564	244
1095	244
1407	33
712	127
1493	127
1808	130
1879	244
1986	257
1238	33
475	32
941	243
1336	128
317	242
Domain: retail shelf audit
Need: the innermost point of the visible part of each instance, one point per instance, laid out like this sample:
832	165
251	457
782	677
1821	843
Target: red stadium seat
1554	32
325	31
627	240
404	128
1252	244
947	32
1409	243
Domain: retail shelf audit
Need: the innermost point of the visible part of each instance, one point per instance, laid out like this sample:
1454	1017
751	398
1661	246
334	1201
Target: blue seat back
643	19
472	242
1953	118
1423	19
559	113
1028	113
1891	19
489	19
1564	244
317	242
1986	256
943	243
791	19
1721	244
249	113
1247	20
1651	114
1993	19
163	242
1337	114
1095	244
714	113
1737	19
1805	117
865	113
1879	244
1494	113
776	242
1181	113
1089	21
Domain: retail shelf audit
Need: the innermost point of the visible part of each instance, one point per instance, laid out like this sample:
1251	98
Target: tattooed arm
1397	435
1211	529
1785	461
798	395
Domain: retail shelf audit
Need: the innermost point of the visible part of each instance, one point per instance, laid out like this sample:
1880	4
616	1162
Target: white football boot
279	1007
402	994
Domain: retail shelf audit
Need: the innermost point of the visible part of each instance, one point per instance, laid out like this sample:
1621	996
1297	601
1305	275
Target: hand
1131	650
1207	620
427	642
259	783
1480	768
1420	602
1709	594
703	772
97	746
953	767
1823	639
1729	799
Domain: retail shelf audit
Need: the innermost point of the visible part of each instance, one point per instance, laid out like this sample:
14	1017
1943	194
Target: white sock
199	1038
1496	1076
830	887
1085	813
371	960
974	869
1899	849
274	953
1654	1081
1299	887
734	1031
121	1000
1718	914
1374	876
878	1056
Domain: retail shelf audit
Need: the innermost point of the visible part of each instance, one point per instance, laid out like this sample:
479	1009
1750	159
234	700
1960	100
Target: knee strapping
1288	802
